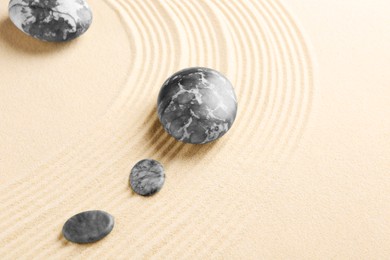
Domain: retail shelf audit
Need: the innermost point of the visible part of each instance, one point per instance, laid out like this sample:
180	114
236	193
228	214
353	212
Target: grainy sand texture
304	173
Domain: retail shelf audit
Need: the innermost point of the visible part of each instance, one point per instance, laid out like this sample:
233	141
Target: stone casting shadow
18	40
168	148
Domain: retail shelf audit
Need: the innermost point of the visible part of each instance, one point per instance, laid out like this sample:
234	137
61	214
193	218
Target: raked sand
304	173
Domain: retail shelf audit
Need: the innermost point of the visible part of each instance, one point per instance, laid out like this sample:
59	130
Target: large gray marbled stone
51	20
88	226
197	105
147	177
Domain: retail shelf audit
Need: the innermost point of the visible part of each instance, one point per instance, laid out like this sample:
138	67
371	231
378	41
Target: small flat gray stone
197	105
147	177
51	20
88	226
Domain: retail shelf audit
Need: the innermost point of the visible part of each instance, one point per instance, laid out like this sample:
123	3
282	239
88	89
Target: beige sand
304	172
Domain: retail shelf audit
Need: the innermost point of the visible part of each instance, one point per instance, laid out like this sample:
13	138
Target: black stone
51	20
88	226
147	177
197	105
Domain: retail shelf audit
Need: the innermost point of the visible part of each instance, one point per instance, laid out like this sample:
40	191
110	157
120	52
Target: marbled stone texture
197	105
147	177
88	226
51	20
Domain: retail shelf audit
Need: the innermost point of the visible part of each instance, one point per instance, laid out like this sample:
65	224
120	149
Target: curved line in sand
273	112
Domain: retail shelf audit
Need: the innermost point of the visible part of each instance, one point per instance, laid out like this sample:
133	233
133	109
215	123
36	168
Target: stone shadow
168	148
16	39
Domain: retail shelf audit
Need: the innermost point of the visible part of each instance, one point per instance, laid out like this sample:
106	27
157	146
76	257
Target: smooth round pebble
197	105
147	177
51	20
88	226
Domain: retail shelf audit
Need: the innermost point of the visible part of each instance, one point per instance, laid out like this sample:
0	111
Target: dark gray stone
88	226
51	20
147	177
197	105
